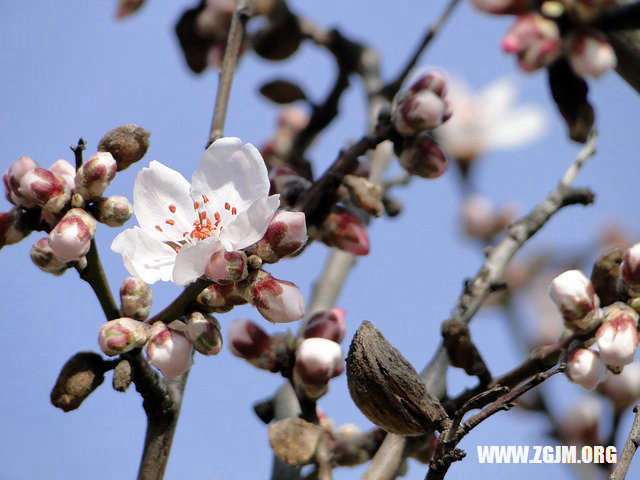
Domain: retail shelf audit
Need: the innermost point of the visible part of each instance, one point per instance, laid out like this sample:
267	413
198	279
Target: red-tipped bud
481	220
327	324
227	267
288	184
585	368
44	258
590	54
203	331
13	177
318	360
630	268
169	351
422	156
286	234
624	389
136	298
535	40
346	231
71	237
617	338
66	171
40	187
114	211
94	177
500	7
278	301
247	340
12	227
122	335
219	298
574	295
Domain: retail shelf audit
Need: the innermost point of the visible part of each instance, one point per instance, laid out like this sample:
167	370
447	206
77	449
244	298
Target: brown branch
77	151
626	44
94	275
629	450
177	308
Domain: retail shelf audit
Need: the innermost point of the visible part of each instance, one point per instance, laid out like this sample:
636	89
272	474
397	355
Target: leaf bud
114	211
122	335
203	331
136	298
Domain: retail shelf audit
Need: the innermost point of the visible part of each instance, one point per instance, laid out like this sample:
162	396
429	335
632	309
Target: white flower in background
488	120
227	206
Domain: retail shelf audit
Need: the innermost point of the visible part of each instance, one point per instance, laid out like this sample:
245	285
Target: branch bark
629	450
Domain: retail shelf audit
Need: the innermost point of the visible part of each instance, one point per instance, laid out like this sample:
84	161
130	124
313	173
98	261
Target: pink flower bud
617	338
513	7
122	335
624	389
292	120
71	237
13	177
573	293
44	258
40	187
13	228
327	324
422	106
585	368
247	340
114	211
580	424
286	234
346	231
169	351
591	54
94	176
227	267
318	360
288	184
422	156
204	333
630	268
535	40
219	298
278	301
136	298
66	171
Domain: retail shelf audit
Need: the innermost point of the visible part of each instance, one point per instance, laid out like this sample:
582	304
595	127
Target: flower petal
161	194
249	226
518	127
192	260
145	256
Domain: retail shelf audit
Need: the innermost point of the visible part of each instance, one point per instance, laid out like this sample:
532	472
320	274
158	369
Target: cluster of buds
574	295
286	234
535	40
247	340
278	301
343	229
94	176
481	220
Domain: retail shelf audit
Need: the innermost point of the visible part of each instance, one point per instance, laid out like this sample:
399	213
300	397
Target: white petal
145	256
520	126
230	172
192	260
249	226
498	97
158	189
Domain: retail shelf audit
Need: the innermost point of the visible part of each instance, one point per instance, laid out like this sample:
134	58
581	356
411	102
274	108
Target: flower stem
94	275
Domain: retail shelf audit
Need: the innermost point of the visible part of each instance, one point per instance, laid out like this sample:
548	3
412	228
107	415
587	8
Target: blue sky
68	69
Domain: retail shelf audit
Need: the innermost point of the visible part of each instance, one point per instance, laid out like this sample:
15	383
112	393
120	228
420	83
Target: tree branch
177	308
94	275
629	450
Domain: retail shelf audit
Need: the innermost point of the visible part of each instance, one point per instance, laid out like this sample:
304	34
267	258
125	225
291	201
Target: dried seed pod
127	144
81	375
294	440
387	389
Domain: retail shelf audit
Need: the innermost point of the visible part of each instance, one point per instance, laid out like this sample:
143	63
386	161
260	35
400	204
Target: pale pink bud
13	228
66	171
122	335
44	258
585	368
277	300
535	40
204	333
346	231
293	120
591	55
630	268
329	324
136	298
318	360
480	218
617	338
45	189
94	176
219	298
573	293
286	234
422	156
624	389
71	237
512	7
169	351
247	340
288	184
13	177
114	211
580	423
227	267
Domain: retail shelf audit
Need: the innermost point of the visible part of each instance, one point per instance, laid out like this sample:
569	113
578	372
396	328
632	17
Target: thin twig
77	151
94	275
629	450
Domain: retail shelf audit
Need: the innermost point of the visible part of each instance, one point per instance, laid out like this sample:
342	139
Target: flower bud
590	54
327	324
292	120
94	176
481	220
422	156
135	297
617	338
580	424
630	268
624	389
535	40
122	335
227	267
66	171
345	230
219	298
286	234
71	237
247	340
288	184
127	144
44	258
13	228
13	177
585	368
574	295
501	7
40	187
422	106
278	301
169	351
203	331
318	360
114	210
80	376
